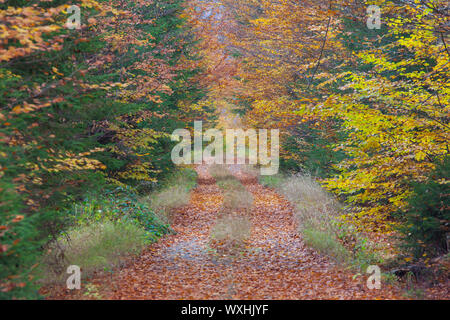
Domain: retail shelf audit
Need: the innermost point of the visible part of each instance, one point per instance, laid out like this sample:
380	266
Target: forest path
275	263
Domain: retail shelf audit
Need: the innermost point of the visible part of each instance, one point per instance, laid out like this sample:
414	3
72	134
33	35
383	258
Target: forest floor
274	263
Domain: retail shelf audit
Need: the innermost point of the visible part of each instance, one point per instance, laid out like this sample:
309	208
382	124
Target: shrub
118	204
427	220
100	231
185	177
68	129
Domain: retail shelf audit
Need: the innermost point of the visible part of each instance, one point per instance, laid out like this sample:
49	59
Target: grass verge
317	213
103	231
101	245
174	193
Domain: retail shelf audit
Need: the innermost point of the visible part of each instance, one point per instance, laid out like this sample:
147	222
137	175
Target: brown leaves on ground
273	263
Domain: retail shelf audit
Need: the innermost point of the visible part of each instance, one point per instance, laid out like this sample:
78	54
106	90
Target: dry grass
232	227
94	247
317	213
230	233
219	172
250	170
230	183
314	206
164	202
103	235
237	200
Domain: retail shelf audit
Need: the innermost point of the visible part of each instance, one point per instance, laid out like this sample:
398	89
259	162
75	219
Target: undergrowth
318	216
103	231
173	193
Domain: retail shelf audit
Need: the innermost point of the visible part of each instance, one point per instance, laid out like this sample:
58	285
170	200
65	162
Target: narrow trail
276	264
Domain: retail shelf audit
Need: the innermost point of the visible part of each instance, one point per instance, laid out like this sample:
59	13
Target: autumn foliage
366	108
81	110
90	109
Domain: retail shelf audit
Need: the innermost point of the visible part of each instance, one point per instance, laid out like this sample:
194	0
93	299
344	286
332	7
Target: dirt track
275	263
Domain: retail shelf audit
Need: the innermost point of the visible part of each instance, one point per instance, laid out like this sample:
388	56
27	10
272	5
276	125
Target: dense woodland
87	113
